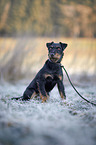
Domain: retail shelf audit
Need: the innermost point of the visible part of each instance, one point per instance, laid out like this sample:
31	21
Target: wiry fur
49	75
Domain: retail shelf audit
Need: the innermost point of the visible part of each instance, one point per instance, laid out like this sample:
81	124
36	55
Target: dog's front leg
42	92
61	89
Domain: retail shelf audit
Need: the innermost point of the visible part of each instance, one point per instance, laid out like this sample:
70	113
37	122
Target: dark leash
75	88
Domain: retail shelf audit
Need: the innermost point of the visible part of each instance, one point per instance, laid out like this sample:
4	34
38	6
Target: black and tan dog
49	75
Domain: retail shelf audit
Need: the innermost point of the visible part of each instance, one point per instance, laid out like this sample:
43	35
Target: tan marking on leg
60	77
33	95
62	96
43	98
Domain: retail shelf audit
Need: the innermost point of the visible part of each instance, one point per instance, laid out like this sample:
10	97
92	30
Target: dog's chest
52	77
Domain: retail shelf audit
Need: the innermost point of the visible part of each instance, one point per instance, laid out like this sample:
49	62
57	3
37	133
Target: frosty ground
56	122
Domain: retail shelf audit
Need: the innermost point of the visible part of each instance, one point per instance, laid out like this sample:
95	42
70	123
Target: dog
48	76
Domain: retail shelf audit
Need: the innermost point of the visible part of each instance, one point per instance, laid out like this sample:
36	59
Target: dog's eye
50	48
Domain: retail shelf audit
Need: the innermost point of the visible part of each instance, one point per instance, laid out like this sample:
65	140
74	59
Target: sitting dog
49	75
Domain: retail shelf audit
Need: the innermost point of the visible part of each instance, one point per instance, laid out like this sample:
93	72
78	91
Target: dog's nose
52	54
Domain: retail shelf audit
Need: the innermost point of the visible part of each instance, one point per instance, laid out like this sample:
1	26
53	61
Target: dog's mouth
54	58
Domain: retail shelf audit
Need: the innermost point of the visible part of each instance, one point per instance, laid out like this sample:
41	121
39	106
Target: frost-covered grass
56	122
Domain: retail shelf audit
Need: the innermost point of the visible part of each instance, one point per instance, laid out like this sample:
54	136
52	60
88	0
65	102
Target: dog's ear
63	45
48	44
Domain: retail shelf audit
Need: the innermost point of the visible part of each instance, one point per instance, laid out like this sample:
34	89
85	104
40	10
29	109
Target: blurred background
25	28
27	25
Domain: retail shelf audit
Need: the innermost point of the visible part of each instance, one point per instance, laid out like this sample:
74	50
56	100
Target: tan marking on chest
48	75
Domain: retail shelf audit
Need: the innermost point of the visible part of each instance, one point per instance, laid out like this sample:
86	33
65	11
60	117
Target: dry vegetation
67	18
23	57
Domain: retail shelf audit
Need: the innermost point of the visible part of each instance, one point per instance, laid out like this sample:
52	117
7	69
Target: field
56	122
72	122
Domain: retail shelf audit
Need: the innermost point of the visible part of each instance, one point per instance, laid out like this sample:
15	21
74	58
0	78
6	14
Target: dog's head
55	51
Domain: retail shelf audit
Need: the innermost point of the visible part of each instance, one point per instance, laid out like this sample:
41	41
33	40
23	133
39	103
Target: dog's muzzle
52	54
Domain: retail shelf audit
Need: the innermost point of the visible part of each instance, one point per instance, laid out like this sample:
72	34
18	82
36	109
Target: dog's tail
17	98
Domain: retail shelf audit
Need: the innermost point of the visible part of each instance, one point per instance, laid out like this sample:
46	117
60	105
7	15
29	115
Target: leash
75	88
